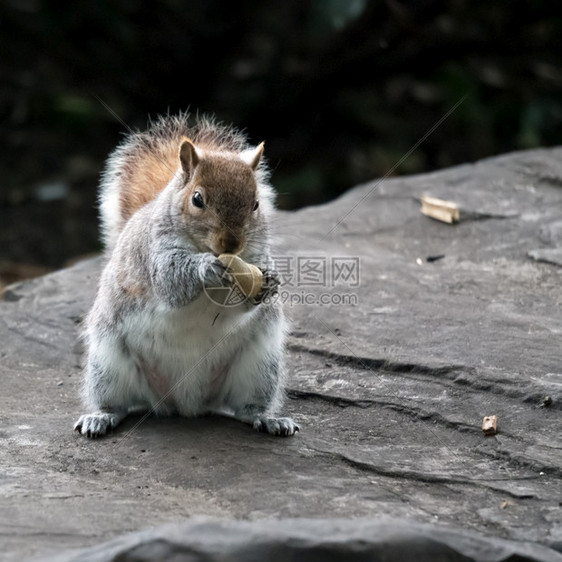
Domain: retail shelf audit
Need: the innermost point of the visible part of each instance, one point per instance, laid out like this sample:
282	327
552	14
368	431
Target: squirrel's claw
270	287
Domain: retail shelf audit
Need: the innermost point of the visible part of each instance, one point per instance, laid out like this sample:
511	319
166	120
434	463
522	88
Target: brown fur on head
219	199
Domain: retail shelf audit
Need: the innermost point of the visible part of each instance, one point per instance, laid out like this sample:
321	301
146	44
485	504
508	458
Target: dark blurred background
339	89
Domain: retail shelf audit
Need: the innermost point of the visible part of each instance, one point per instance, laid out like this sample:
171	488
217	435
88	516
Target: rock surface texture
406	332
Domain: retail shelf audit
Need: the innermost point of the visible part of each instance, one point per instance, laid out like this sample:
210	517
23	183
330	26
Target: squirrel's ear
253	156
189	156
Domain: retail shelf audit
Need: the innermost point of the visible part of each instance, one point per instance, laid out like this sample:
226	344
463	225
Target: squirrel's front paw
269	288
214	273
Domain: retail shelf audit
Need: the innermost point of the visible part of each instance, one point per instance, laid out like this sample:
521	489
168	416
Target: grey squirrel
172	199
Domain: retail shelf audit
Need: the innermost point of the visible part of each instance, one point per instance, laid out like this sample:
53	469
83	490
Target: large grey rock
389	390
307	540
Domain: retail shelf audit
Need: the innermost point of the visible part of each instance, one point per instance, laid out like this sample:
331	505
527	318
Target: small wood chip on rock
438	209
490	425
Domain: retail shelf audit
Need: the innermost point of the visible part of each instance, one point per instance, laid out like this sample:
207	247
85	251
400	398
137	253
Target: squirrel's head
219	196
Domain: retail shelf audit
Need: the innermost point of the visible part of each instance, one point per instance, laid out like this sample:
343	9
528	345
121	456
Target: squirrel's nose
231	243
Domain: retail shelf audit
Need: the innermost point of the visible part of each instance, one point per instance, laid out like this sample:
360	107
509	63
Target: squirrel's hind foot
99	423
284	427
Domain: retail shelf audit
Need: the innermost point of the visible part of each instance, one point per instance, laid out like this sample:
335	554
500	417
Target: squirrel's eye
256	205
197	200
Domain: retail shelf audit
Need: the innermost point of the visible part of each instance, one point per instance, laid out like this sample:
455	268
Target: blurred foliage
339	89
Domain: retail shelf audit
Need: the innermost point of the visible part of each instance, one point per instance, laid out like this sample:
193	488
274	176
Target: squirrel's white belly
184	354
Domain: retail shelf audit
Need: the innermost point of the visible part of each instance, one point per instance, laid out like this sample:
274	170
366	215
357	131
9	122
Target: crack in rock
369	363
458	375
426	478
401	407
